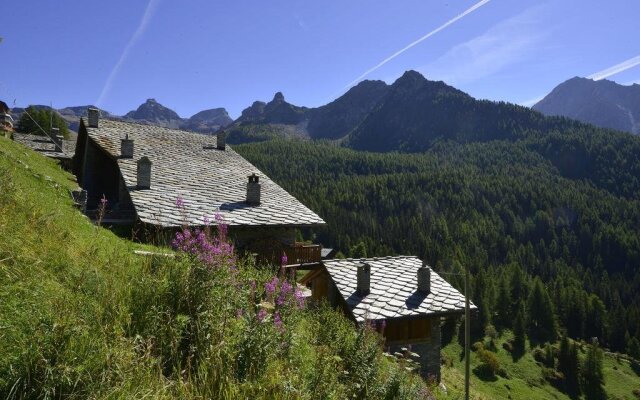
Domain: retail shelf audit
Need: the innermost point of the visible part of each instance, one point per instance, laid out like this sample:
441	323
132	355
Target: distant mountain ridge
263	121
149	112
603	103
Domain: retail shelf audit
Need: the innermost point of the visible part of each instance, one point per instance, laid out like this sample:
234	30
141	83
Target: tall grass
82	316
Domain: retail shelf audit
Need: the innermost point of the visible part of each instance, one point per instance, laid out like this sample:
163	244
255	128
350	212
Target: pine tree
519	332
542	325
481	300
633	348
518	290
595	319
503	306
592	376
568	366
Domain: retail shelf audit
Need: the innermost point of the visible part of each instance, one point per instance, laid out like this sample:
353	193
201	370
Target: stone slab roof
393	289
44	145
210	181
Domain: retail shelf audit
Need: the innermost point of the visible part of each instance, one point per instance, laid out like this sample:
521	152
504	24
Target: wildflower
270	287
284	259
299	297
180	202
261	315
103	201
277	321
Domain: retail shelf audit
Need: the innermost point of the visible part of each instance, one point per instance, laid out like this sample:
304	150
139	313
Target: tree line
559	254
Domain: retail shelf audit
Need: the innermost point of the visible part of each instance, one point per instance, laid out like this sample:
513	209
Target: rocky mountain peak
278	98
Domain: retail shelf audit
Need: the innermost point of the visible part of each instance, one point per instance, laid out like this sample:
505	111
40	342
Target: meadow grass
524	376
82	316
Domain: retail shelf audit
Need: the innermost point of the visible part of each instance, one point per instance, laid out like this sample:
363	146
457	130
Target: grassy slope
60	284
525	377
75	305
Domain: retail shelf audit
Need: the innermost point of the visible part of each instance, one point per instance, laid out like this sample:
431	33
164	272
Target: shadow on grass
484	374
517	353
635	366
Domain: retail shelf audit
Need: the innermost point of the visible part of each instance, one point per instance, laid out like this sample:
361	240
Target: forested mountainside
415	114
502	208
603	103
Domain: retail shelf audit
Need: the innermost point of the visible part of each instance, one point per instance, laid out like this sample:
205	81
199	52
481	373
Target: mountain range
602	103
410	115
149	112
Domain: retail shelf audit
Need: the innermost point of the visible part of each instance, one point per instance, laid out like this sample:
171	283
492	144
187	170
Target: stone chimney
93	117
364	279
253	190
424	279
221	140
57	139
144	173
126	147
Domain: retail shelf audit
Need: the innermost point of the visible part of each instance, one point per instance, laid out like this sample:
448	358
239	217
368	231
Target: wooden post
467	333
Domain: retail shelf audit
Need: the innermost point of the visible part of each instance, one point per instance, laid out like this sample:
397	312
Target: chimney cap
93	117
144	160
366	266
363	279
254	178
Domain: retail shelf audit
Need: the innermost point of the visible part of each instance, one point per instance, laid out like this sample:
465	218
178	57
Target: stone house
402	291
143	171
6	120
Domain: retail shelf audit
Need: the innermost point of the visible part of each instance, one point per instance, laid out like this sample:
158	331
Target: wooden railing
300	253
303	253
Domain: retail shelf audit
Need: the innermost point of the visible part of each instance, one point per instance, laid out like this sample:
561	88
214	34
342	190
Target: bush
490	366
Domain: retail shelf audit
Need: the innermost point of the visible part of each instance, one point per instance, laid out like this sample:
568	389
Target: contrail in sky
148	13
623	66
418	41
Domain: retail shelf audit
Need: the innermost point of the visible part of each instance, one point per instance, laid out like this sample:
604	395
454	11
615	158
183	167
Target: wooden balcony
300	253
303	253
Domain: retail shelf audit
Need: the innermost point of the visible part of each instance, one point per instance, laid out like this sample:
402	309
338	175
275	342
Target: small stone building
402	291
142	171
6	120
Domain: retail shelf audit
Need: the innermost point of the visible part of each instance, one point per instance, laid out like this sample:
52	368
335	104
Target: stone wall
428	350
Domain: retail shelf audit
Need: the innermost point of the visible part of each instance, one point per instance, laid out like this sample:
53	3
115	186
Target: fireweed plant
223	327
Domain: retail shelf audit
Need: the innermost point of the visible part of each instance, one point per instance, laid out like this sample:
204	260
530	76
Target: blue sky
201	54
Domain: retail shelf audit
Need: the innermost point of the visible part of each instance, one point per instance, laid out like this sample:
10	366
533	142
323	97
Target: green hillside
82	316
563	250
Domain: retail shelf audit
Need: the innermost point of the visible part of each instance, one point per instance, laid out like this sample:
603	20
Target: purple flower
180	202
284	259
261	315
277	321
299	297
270	287
103	201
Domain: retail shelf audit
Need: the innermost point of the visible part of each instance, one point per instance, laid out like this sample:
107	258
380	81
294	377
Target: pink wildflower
277	321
